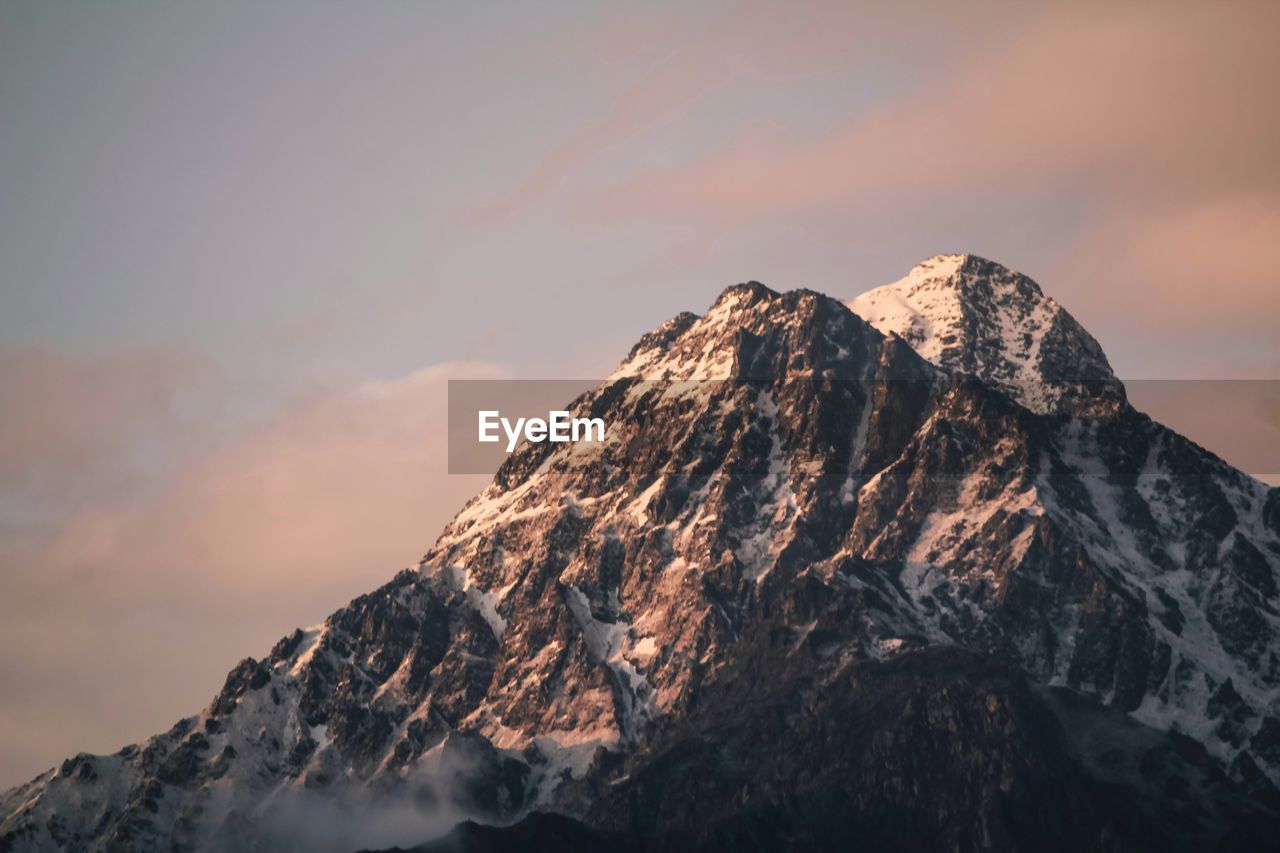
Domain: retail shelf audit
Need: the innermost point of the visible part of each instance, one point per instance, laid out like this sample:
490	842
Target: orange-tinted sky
243	244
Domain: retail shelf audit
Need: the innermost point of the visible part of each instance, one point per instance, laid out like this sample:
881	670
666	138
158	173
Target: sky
243	246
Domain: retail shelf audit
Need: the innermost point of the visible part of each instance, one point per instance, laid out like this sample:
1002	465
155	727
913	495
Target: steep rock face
790	508
973	316
1111	556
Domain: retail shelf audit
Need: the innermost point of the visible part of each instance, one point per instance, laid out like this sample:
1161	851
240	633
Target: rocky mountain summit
972	316
921	580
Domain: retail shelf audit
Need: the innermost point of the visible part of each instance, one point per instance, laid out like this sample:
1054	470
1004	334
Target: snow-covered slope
796	520
973	316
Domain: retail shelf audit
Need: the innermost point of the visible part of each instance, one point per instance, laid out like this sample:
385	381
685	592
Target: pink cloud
65	418
1207	264
1110	95
749	40
140	600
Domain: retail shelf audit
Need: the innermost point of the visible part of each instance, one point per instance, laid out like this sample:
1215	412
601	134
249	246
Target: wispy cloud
749	41
1114	96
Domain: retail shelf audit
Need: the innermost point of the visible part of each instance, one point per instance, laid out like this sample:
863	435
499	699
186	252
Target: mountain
823	582
972	316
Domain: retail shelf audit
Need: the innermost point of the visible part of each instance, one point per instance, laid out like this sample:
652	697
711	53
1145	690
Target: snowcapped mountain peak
967	272
939	266
974	316
961	312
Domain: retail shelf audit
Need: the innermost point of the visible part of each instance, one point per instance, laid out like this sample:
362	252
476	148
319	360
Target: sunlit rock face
912	573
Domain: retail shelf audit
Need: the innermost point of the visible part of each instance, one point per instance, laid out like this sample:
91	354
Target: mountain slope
797	521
